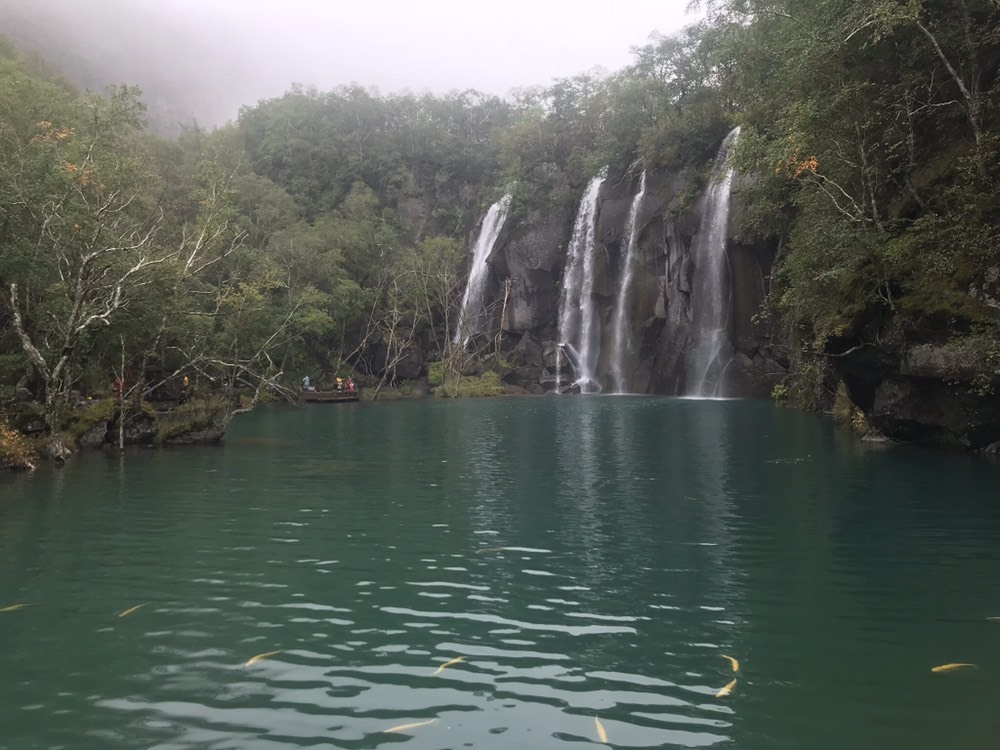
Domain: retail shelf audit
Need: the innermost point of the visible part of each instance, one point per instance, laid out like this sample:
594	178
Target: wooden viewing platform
326	397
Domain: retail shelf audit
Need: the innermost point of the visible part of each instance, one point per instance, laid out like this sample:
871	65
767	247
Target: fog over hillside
200	60
186	76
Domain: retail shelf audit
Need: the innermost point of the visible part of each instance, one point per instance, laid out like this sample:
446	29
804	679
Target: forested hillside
327	232
872	128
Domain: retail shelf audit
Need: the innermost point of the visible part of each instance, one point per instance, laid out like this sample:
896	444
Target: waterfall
620	336
710	286
577	313
471	317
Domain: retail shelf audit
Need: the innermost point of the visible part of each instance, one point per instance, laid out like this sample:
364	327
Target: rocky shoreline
94	425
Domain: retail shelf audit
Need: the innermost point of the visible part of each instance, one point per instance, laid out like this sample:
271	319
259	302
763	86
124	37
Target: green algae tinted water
589	557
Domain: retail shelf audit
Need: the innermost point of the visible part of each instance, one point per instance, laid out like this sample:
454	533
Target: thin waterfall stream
620	336
577	311
710	300
471	318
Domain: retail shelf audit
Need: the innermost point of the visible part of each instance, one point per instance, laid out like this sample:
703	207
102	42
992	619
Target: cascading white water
620	337
710	286
471	317
577	313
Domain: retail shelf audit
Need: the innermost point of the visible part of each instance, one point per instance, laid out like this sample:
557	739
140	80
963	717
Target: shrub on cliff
435	374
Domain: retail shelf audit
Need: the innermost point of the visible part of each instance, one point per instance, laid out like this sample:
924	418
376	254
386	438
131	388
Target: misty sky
233	52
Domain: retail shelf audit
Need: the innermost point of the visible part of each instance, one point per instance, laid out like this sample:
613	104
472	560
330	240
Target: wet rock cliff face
938	393
532	258
531	254
915	386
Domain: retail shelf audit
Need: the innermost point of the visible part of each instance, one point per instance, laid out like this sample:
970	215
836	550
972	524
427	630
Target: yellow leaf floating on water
726	691
951	667
601	734
734	662
448	663
404	727
13	608
131	610
266	655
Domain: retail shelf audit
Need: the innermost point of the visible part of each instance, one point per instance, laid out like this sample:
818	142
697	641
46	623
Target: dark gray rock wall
946	395
531	255
533	260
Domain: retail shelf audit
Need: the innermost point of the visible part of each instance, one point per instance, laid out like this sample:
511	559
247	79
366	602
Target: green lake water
589	557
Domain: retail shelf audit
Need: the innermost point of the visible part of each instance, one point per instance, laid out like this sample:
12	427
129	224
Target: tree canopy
324	230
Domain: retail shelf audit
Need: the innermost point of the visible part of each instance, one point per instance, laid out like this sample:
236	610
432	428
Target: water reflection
590	556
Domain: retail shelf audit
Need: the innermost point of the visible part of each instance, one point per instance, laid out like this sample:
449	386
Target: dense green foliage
872	130
326	231
122	255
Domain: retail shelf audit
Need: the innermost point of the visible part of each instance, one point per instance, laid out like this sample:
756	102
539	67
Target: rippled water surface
590	558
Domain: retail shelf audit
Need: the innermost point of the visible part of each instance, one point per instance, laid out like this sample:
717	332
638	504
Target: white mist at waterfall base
621	338
710	296
471	319
578	329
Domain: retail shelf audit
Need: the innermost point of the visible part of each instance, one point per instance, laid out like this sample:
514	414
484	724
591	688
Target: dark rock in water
934	412
11	465
993	449
874	436
942	395
57	450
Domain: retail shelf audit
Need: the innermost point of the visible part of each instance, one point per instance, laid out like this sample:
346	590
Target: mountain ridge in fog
202	60
183	81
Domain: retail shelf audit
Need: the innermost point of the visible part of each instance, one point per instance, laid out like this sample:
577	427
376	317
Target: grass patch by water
487	384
